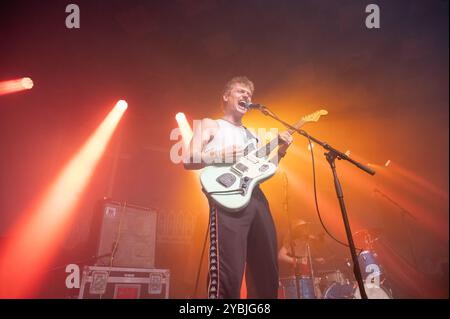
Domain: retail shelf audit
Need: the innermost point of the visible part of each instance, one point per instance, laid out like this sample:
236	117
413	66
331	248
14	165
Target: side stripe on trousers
214	268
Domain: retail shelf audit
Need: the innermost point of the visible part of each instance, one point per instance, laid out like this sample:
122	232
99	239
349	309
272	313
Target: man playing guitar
245	239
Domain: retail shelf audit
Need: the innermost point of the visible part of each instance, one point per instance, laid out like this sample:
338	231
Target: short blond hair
239	80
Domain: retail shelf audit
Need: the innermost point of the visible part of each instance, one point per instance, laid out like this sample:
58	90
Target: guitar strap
250	135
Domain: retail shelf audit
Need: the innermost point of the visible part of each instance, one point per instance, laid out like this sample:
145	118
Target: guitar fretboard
265	150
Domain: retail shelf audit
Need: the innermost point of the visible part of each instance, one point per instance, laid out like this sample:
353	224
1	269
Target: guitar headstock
314	117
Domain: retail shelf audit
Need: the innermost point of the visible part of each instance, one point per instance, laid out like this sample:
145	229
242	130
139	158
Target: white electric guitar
231	186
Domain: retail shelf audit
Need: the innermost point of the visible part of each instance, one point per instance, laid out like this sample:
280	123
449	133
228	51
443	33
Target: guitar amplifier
126	235
124	283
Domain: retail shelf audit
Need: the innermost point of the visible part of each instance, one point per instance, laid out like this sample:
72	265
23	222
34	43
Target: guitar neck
297	125
270	146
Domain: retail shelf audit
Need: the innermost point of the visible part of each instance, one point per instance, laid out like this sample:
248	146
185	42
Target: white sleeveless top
227	135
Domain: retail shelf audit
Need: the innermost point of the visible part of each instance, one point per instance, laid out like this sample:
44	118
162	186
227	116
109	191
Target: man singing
245	239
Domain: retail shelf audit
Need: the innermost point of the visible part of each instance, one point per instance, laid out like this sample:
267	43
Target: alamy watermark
373	19
73	18
227	151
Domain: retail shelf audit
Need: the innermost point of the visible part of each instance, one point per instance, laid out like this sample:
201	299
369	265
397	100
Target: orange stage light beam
416	186
301	189
328	203
186	135
185	128
186	132
418	180
36	237
333	220
403	272
12	86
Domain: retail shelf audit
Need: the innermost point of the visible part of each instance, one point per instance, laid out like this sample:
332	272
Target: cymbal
301	227
365	238
313	239
301	223
371	232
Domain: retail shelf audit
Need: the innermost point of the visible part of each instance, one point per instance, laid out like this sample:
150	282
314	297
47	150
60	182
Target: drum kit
335	284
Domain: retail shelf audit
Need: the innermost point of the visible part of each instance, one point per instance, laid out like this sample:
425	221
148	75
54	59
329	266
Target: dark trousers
244	239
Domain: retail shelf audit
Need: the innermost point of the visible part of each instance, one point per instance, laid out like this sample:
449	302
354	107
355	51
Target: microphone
249	105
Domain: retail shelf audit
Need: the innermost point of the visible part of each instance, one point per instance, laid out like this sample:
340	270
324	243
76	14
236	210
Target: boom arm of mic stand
337	153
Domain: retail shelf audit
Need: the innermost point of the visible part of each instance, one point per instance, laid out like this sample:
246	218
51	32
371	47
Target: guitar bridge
241	167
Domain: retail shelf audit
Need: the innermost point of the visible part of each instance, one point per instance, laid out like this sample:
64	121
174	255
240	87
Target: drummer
298	250
301	235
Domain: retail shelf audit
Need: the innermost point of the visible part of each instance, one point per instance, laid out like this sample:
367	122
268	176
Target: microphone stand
331	156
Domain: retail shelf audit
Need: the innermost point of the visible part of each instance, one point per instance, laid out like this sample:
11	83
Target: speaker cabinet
127	236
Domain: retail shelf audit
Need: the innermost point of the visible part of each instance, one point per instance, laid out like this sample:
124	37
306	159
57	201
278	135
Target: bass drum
369	264
374	292
350	290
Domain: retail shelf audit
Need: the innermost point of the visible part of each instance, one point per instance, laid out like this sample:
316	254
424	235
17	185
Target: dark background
386	90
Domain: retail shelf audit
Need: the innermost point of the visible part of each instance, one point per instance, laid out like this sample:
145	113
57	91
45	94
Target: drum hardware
371	272
333	276
333	283
304	284
350	290
365	238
